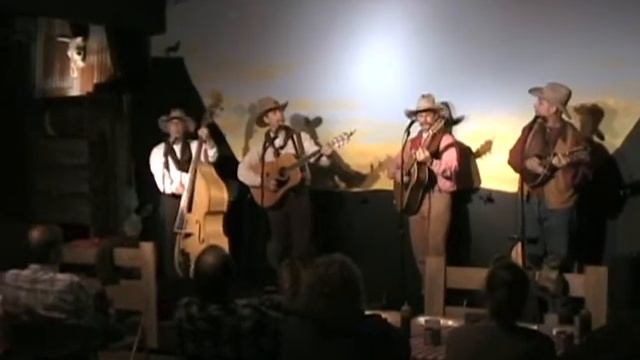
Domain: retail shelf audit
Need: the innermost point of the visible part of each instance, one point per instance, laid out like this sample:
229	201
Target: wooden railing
132	295
592	286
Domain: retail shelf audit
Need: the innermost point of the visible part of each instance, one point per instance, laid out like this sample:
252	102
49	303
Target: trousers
548	231
291	228
429	228
167	211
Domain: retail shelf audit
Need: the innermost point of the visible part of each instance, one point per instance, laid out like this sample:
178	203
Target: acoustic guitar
408	195
534	180
286	171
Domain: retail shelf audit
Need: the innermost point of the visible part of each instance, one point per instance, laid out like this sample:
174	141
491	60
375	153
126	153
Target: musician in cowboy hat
290	219
434	146
549	207
169	162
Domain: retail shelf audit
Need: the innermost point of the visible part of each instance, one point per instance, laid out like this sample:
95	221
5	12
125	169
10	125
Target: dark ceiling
147	16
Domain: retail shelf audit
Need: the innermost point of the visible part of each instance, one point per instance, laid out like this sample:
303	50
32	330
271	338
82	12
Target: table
422	351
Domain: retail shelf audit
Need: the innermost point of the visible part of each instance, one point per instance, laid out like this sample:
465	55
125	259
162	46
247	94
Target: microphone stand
405	310
522	233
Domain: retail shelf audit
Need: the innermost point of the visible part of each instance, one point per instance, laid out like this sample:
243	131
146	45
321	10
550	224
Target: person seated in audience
41	290
616	340
330	321
41	297
506	290
212	325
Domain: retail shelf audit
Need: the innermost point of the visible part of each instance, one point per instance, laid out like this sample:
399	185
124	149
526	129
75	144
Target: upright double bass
199	222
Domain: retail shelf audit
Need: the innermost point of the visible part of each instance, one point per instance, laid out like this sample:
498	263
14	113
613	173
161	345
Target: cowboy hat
591	116
426	102
556	93
176	114
263	106
447	113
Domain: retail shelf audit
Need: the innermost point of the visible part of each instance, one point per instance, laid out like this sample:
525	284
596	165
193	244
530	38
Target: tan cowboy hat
555	93
591	116
176	114
426	102
264	105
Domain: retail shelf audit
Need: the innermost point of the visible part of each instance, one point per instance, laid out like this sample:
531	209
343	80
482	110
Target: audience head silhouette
45	244
213	274
333	291
507	288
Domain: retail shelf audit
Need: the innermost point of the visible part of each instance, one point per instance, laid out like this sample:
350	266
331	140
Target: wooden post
434	285
148	274
595	293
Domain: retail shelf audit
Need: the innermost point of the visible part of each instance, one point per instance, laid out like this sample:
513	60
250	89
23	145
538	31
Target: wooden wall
80	162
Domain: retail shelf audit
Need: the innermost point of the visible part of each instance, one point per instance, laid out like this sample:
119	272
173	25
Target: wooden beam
148	274
86	255
136	295
595	294
127	295
576	284
592	286
434	285
458	312
466	278
472	278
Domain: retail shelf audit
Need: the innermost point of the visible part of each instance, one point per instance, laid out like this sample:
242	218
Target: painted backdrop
346	64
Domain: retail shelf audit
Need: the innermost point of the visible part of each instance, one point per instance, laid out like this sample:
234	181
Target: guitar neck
305	159
188	191
409	164
336	143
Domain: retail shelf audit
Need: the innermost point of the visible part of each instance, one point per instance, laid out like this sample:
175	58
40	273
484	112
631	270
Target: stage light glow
377	65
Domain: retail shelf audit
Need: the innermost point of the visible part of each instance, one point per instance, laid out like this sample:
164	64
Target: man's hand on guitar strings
203	133
179	189
423	155
274	185
560	160
326	150
534	164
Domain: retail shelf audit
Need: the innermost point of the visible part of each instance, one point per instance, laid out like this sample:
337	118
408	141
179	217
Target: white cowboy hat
426	102
176	114
265	105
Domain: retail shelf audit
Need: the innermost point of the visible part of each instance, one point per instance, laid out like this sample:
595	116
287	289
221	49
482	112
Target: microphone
410	125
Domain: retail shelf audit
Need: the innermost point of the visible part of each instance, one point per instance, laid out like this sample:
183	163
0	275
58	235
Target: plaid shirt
241	329
40	291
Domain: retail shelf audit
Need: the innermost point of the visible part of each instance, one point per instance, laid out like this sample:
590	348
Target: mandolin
533	180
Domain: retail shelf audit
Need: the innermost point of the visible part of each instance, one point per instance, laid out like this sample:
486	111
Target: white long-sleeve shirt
168	181
248	170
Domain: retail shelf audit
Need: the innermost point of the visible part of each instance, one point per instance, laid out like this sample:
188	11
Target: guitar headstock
342	139
437	126
214	107
483	149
